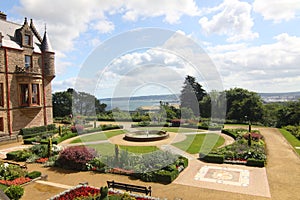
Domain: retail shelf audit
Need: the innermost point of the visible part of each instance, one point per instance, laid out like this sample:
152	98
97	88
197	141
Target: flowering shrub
17	181
77	128
75	157
254	135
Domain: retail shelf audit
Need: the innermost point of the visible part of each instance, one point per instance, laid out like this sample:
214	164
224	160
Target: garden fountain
146	136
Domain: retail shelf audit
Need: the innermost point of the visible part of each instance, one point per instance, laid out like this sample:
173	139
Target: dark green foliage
294	130
212	158
231	132
41	150
34	174
241	103
20	155
104	193
14	192
42	131
191	93
255	163
166	176
289	114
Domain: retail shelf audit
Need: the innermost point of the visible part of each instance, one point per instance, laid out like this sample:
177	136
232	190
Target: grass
193	143
108	149
291	139
139	149
98	136
3	187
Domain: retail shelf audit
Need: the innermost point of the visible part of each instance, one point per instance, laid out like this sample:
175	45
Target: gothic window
27	61
27	40
29	94
35	94
24	96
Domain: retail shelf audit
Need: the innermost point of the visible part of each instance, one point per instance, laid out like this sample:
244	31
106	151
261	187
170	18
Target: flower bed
85	191
17	181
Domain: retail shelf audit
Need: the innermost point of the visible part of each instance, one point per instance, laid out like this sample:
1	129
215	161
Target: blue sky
253	44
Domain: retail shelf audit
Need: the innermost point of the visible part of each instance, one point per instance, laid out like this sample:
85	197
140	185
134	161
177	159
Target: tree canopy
73	102
191	93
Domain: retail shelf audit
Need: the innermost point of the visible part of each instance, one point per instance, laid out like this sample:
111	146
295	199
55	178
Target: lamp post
249	123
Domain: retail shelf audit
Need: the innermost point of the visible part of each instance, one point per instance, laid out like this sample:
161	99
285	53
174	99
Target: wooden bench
129	188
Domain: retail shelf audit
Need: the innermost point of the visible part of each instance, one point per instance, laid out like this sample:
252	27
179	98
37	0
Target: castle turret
48	54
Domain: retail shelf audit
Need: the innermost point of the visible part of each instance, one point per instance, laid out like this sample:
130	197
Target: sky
116	48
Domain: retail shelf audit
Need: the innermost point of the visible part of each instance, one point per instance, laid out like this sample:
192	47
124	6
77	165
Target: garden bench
129	188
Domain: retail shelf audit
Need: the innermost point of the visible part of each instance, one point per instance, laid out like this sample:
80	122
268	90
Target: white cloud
233	19
64	84
261	68
171	10
104	26
277	10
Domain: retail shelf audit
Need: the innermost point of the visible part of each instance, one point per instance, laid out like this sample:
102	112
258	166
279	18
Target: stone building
26	72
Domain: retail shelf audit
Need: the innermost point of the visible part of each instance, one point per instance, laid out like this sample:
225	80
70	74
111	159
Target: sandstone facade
26	73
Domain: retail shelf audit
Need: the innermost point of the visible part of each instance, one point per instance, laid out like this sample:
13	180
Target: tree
191	93
241	103
62	104
289	114
73	102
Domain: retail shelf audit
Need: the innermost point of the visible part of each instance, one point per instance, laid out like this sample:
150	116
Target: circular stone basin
146	136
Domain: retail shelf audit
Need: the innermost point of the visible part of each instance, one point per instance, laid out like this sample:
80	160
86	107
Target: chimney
3	16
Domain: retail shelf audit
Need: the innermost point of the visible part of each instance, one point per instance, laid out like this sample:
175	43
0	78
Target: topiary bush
14	192
75	158
19	155
212	158
255	163
34	174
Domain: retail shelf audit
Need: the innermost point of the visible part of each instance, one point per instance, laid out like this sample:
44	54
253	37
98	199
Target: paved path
54	184
177	151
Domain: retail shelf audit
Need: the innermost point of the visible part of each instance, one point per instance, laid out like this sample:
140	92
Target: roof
8	30
46	45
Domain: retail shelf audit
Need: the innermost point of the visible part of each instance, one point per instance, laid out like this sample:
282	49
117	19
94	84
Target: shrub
20	155
255	163
212	158
39	130
34	174
11	172
75	157
164	176
40	150
14	192
254	135
77	128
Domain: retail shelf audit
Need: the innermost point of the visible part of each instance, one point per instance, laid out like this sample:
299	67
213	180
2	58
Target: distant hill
153	100
280	97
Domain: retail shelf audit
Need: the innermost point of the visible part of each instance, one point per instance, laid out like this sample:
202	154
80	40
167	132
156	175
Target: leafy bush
11	172
19	155
255	162
294	130
41	150
14	192
34	174
75	157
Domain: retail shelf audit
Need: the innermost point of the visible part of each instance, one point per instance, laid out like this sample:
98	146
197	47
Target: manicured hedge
230	132
34	174
212	158
164	176
255	163
38	131
19	155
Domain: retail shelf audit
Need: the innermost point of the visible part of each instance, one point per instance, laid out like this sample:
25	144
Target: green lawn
291	139
139	149
98	136
193	143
